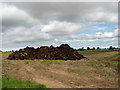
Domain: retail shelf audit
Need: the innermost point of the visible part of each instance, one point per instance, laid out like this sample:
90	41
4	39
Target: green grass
92	52
26	62
6	52
8	82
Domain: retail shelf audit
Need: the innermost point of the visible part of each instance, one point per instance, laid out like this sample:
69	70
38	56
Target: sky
79	24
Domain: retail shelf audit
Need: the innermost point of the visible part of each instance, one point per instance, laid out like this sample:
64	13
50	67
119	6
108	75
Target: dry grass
98	70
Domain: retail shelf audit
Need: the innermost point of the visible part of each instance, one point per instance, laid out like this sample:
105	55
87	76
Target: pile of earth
63	52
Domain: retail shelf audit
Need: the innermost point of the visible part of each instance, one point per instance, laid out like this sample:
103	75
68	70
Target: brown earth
63	52
64	74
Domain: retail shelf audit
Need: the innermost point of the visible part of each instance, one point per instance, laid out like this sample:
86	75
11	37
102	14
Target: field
99	70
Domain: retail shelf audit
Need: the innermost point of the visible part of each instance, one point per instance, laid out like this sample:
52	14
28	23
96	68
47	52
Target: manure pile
63	52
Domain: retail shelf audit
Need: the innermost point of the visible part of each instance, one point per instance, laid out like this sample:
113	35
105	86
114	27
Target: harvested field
99	70
63	52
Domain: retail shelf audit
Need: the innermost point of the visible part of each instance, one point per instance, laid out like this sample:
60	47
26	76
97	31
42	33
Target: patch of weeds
57	62
81	73
49	63
110	61
26	62
14	61
39	68
78	70
93	64
115	57
105	71
6	62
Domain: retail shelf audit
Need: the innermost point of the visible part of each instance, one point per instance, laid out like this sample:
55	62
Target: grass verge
8	82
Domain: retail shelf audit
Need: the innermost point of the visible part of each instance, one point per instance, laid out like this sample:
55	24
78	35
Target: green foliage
81	49
93	48
111	47
26	62
98	47
88	48
8	82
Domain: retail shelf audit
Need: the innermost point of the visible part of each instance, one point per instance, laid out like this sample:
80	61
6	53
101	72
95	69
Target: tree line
81	49
97	48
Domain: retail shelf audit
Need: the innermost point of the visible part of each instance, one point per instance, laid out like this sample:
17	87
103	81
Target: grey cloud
23	26
67	11
13	17
29	14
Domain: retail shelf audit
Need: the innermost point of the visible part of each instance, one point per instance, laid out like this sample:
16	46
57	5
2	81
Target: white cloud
98	33
14	17
101	14
61	27
107	34
90	40
22	34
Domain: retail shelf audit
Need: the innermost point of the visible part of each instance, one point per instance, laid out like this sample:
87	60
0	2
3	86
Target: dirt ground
97	71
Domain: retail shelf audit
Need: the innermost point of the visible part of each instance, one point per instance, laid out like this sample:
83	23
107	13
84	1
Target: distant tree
83	48
98	47
93	48
12	50
116	48
88	48
111	47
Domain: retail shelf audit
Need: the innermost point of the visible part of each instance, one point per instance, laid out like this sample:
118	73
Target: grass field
91	52
99	70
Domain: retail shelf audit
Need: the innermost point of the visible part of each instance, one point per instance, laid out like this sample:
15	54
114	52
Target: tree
93	48
88	48
82	48
79	49
110	47
98	47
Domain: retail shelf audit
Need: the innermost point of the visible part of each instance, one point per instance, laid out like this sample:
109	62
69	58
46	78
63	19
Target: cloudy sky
79	24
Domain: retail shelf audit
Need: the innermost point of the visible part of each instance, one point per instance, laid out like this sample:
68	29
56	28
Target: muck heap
63	52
